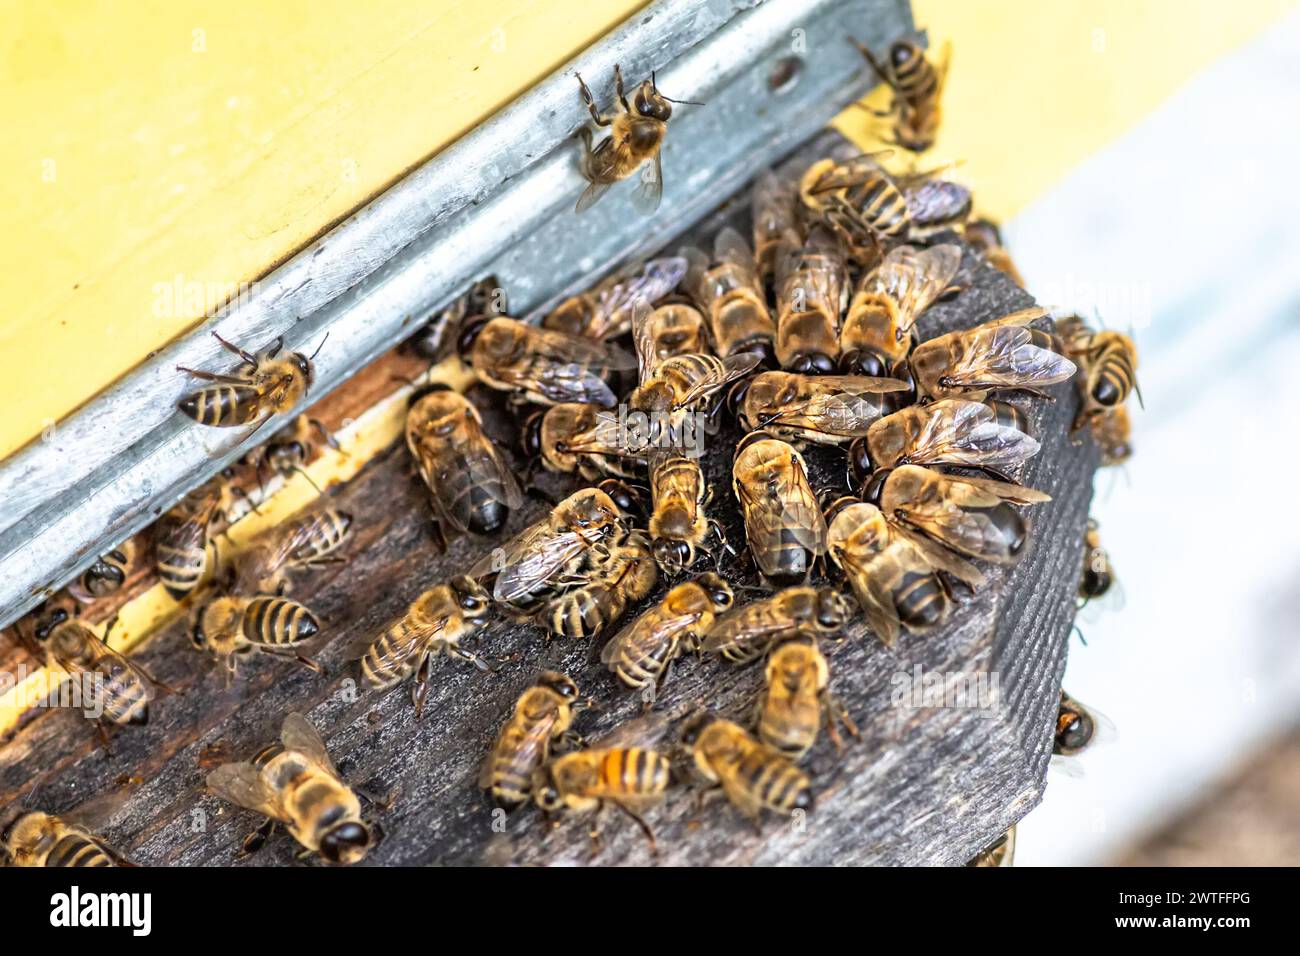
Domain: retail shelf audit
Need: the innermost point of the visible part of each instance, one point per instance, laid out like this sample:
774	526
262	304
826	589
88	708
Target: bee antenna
682	102
318	348
309	481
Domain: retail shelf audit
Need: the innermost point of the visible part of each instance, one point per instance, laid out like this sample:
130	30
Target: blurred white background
1185	230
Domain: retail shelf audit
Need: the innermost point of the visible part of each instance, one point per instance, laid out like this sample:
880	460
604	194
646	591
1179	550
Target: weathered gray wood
923	786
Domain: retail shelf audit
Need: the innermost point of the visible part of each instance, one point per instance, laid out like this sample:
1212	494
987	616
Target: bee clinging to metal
745	633
435	623
730	291
642	654
542	365
295	784
37	839
796	701
783	522
753	776
470	483
637	131
230	627
541	721
917	86
263	386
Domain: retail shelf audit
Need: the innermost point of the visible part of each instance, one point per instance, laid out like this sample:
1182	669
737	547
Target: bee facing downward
636	135
264	385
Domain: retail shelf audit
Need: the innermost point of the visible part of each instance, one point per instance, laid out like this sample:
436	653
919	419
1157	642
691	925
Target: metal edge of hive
498	200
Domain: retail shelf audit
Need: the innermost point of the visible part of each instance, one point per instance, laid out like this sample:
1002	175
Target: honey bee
878	330
1077	727
605	312
581	437
826	409
641	655
685	382
1109	364
435	623
917	86
289	452
752	775
783	523
774	213
745	633
1098	573
294	784
108	573
675	328
542	365
40	839
305	541
545	555
637	133
632	779
436	340
602	587
679	522
860	199
121	688
971	516
230	627
797	700
1113	433
894	575
950	432
731	293
1001	355
812	278
986	237
262	387
470	483
541	719
1001	852
182	537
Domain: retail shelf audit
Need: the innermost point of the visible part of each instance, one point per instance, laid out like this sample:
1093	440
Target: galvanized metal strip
498	200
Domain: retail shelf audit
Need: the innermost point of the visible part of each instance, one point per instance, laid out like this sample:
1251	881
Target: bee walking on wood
632	779
601	589
581	437
306	541
41	840
783	522
752	775
182	536
745	633
264	385
797	700
289	452
231	627
541	720
637	131
295	784
917	86
435	623
642	654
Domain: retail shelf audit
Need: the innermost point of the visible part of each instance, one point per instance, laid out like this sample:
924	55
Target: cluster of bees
803	333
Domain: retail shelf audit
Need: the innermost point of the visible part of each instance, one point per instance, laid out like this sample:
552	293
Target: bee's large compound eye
469	334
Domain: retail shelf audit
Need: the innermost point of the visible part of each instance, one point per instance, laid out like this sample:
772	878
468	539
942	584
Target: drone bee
774	214
264	386
797	701
435	623
40	839
602	588
632	779
986	237
917	86
542	365
783	522
752	775
971	516
581	437
1001	355
731	293
295	784
108	573
811	279
1098	573
182	537
122	689
641	655
231	627
894	575
605	312
1001	852
636	135
546	555
470	483
1109	364
437	340
745	633
307	540
950	432
826	409
541	719
878	330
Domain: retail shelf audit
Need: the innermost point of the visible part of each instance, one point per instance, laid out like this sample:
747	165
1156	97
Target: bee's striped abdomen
773	780
277	621
920	600
76	850
633	771
222	406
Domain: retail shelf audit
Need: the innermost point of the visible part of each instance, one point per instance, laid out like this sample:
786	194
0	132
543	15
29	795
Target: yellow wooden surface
162	154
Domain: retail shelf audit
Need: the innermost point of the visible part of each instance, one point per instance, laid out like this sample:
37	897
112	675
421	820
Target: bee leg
875	65
248	358
104	740
997	474
837	714
325	434
645	827
439	537
591	108
256	840
382	804
420	689
473	658
570	741
597	844
618	88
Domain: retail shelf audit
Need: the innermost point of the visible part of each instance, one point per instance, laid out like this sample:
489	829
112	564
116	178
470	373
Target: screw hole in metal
785	74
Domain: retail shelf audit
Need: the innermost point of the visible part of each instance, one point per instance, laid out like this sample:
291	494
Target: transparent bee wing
650	190
838	405
852	172
242	784
536	566
873	597
298	734
961	432
589	196
914	279
941	559
728	370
